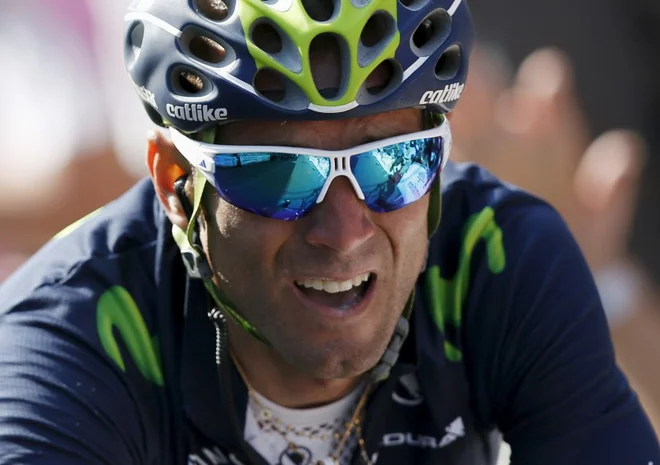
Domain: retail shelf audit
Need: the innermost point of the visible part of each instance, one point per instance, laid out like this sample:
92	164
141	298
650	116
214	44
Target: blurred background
562	100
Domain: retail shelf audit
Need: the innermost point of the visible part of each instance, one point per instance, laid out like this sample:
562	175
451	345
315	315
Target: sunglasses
287	182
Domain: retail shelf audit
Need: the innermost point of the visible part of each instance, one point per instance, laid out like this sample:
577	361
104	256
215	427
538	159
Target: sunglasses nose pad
341	167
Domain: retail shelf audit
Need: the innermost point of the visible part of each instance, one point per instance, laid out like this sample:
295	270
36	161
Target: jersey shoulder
484	227
112	245
474	204
468	188
82	315
96	283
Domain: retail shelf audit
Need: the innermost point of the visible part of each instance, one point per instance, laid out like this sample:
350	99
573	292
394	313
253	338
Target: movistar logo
196	112
450	93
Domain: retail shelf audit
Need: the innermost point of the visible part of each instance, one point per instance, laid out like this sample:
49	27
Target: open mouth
341	295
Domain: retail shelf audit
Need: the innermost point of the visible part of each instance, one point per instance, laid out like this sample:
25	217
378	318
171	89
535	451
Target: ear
166	165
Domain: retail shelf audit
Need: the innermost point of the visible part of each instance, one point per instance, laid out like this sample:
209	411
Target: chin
339	359
343	369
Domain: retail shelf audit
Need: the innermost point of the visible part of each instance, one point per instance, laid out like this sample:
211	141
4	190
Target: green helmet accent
346	25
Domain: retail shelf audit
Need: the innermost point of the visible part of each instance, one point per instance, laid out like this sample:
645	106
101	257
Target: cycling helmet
199	63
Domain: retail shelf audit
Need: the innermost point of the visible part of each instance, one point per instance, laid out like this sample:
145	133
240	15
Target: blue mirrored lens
397	175
277	185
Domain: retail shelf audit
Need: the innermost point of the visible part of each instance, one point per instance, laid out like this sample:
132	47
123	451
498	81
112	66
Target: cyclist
281	291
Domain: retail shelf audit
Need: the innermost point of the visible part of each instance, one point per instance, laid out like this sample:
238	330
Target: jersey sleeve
539	353
62	401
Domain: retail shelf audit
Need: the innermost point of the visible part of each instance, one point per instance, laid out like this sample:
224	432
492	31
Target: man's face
269	267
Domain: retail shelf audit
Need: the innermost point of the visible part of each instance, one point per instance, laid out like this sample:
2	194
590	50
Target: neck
267	373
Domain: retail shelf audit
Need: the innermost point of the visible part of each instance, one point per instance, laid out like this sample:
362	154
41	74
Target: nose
341	222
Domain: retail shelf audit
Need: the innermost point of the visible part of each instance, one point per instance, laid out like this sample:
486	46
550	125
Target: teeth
332	287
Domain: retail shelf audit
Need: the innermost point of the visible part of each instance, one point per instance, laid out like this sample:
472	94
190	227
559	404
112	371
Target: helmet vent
378	31
431	32
267	38
270	85
325	58
449	63
376	28
279	90
271	39
381	82
319	10
207	49
190	82
215	10
379	78
414	5
135	39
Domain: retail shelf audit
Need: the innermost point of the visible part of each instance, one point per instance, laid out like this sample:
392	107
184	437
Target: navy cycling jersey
105	359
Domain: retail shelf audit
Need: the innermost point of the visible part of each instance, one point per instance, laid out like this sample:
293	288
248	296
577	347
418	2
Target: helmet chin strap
198	267
382	369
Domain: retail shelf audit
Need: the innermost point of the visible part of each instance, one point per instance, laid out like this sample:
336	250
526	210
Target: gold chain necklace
268	422
355	424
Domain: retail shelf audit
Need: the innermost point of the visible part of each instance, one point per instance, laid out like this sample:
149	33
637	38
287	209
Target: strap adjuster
391	355
196	264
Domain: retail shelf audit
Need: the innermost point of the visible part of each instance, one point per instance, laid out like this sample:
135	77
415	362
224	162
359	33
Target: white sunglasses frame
201	154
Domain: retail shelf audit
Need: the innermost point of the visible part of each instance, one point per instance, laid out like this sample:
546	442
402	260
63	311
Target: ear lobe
166	165
152	149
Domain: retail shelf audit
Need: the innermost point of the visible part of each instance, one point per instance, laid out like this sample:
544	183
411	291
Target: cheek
239	243
407	230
